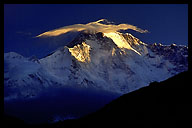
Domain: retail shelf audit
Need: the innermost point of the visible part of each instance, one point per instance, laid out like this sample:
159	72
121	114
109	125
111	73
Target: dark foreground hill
164	102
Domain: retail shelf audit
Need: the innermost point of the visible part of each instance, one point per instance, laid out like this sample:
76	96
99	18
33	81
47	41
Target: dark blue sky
167	23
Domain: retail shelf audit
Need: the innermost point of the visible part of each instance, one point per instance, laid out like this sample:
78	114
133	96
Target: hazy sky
166	23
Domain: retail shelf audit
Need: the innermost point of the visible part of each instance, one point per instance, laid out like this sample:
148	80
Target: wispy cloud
93	27
24	33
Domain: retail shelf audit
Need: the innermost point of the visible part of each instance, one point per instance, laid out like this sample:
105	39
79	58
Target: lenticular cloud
92	27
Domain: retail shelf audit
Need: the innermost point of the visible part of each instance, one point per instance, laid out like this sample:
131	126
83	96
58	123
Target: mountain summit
110	61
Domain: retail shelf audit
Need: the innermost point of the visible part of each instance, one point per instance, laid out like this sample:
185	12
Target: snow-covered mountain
110	61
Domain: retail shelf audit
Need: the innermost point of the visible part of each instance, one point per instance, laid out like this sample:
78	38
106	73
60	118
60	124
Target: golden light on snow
81	52
120	41
92	27
113	52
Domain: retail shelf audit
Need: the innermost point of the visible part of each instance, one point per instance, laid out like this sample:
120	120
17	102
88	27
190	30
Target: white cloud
92	27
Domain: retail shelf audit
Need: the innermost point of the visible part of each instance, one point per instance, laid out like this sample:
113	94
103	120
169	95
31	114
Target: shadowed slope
166	101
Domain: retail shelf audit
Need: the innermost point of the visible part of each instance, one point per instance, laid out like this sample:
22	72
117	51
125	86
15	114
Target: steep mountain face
113	61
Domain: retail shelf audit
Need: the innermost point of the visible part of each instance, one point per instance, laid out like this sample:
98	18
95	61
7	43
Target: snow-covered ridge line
173	44
96	61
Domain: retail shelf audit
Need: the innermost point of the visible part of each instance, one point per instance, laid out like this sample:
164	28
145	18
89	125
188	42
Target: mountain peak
102	58
104	21
120	40
84	35
12	55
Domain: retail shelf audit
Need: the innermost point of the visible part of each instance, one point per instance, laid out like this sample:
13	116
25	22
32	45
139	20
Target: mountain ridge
100	61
